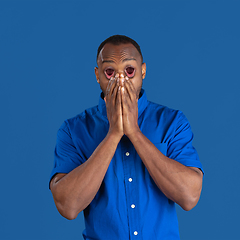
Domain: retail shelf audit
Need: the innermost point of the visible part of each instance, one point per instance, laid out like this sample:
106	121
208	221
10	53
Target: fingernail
117	75
121	75
126	78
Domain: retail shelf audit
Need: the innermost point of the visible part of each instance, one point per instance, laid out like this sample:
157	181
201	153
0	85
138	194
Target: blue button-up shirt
128	205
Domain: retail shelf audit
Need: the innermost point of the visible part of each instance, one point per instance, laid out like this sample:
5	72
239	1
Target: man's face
122	59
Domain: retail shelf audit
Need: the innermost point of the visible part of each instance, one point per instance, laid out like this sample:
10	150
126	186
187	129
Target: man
127	161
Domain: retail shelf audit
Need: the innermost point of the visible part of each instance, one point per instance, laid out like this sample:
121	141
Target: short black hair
117	40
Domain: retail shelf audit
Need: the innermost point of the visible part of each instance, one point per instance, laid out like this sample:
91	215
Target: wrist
134	135
114	136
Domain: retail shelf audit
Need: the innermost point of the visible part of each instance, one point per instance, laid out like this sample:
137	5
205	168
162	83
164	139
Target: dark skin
74	191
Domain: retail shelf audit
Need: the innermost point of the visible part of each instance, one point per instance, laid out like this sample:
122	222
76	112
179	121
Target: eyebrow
124	60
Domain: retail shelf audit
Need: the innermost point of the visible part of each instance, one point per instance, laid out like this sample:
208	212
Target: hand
114	106
129	108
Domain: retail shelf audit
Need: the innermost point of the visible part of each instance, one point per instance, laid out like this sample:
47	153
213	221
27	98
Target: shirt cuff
64	168
192	163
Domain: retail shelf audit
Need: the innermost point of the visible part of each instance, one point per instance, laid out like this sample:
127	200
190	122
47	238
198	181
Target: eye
109	72
130	71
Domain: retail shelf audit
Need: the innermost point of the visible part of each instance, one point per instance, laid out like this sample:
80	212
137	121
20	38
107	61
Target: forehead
118	52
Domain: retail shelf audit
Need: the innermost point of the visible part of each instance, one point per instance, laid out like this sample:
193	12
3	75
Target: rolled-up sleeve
180	147
66	156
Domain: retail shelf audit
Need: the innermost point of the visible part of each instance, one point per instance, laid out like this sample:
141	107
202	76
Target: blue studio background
47	60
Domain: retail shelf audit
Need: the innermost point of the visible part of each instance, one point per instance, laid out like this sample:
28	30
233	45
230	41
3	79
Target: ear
143	70
97	74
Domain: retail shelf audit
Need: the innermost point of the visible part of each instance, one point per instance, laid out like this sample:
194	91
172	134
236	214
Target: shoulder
79	118
166	117
90	112
164	111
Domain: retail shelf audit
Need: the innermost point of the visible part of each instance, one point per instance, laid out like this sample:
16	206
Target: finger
130	90
121	80
118	101
131	85
125	103
110	88
110	85
114	94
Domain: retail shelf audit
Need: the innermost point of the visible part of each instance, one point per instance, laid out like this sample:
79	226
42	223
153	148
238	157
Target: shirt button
133	206
127	154
135	233
130	179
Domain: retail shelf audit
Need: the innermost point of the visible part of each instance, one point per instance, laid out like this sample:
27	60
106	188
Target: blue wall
47	60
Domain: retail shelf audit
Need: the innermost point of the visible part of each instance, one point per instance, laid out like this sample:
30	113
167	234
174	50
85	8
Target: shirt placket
128	153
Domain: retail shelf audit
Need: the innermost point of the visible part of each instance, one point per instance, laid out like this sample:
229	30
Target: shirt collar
142	104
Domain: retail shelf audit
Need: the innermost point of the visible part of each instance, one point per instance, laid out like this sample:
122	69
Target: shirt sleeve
180	146
66	156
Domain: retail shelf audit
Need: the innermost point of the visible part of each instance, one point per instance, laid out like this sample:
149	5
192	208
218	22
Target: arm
74	191
179	183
